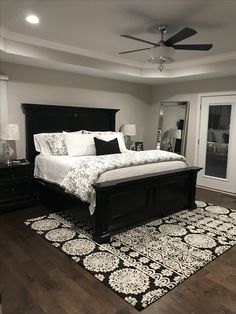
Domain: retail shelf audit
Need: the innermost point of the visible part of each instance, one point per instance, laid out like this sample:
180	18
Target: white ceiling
84	36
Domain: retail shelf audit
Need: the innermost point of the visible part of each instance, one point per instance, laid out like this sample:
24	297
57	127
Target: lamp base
129	143
8	162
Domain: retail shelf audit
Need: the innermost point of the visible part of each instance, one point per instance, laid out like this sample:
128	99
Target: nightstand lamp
129	130
9	132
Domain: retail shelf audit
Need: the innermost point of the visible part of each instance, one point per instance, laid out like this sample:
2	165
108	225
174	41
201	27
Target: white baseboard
215	190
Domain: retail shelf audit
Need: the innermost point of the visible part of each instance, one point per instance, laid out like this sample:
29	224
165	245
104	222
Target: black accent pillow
104	147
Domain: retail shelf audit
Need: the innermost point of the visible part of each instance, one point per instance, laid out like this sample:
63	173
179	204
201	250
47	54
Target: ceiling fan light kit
161	55
163	51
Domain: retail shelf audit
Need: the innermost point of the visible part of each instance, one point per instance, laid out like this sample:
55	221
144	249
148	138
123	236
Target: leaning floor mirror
172	128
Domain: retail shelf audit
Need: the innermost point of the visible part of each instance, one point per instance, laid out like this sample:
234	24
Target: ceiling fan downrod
162	29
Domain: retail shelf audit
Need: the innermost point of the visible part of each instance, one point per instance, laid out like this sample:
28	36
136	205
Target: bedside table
15	186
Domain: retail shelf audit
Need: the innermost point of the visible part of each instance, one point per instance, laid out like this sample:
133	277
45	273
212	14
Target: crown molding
19	48
3	78
5	33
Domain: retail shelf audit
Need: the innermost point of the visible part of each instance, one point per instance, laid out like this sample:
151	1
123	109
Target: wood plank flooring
36	278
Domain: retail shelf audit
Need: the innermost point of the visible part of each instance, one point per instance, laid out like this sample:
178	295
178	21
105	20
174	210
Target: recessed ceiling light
33	19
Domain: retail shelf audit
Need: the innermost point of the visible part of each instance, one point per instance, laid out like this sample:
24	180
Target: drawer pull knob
12	175
13	189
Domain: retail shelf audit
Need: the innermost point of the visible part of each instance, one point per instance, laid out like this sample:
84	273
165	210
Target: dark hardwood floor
37	278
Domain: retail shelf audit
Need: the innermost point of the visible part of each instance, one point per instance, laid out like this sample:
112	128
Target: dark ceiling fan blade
181	35
203	47
138	39
124	52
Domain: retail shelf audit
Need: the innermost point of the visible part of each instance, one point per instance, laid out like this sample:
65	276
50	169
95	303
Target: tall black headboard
50	118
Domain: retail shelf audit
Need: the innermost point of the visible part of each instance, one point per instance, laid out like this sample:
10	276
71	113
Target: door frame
198	118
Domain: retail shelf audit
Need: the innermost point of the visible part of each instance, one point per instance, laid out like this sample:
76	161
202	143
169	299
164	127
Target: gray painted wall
138	103
186	91
36	85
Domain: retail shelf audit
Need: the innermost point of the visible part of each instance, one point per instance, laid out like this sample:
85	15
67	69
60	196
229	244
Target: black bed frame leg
193	190
101	234
102	238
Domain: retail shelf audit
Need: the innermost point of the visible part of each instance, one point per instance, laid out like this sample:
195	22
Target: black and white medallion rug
144	263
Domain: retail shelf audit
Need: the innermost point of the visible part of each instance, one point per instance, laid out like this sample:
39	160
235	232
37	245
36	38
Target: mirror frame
185	126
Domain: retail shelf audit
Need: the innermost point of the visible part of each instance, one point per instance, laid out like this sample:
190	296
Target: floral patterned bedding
87	170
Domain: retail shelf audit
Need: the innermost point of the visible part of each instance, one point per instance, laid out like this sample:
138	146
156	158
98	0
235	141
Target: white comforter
87	170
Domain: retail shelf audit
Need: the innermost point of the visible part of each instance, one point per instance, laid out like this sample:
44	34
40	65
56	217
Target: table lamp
129	130
9	132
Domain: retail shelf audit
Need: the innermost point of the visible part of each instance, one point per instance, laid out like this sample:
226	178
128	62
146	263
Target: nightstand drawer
13	190
15	172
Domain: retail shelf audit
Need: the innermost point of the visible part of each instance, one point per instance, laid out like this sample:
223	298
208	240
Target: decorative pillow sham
57	144
106	147
48	144
80	144
108	136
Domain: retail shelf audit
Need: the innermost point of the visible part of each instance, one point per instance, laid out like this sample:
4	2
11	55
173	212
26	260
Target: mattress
54	169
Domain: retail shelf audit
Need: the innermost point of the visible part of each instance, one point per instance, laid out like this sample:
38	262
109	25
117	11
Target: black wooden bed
119	203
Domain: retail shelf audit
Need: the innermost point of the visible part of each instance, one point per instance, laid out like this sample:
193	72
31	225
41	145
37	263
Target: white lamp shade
129	129
166	54
9	132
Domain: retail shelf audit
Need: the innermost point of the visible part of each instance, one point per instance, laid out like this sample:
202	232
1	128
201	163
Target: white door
217	143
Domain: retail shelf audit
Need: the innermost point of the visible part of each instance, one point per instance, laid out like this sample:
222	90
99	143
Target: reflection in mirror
219	118
171	134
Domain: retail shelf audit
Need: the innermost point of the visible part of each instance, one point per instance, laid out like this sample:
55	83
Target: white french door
217	143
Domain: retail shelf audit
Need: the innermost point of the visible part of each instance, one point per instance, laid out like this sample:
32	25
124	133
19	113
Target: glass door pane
217	140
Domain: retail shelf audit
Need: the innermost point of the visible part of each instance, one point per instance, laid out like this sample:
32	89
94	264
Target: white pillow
80	132
80	144
36	142
41	144
108	136
98	132
48	144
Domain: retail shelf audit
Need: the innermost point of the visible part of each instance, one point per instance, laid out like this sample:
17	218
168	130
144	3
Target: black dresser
16	186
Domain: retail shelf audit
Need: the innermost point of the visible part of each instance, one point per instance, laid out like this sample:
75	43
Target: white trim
215	190
198	117
213	94
3	101
18	37
221	184
3	78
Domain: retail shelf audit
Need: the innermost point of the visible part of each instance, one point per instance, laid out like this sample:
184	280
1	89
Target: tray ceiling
84	36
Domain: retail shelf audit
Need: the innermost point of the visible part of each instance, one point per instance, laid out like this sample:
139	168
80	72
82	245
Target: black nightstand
16	186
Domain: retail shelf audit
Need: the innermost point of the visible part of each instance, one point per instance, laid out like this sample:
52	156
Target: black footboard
124	202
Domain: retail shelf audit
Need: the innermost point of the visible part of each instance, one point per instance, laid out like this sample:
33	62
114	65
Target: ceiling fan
163	51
